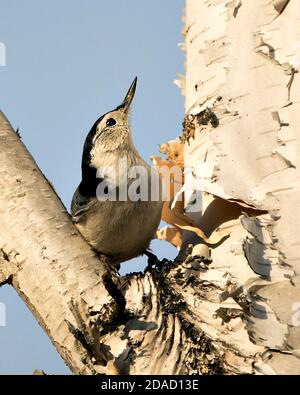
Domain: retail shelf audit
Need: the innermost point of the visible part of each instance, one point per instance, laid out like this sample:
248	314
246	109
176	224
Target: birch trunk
242	91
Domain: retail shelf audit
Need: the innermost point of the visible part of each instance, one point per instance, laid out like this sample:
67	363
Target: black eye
111	122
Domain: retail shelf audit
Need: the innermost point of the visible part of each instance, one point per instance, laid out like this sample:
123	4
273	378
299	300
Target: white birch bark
242	89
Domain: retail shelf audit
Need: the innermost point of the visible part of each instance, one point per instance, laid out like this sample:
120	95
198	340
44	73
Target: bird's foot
153	261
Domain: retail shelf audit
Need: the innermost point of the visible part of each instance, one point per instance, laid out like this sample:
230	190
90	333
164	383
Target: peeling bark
242	67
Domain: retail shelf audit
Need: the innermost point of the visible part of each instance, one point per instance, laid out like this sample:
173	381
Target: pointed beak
129	96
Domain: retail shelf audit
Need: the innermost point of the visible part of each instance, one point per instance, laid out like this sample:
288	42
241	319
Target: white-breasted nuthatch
119	227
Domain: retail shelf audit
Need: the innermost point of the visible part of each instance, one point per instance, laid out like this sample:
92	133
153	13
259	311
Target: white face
112	132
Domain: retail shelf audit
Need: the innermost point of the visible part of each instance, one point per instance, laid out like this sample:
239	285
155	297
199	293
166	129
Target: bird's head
111	132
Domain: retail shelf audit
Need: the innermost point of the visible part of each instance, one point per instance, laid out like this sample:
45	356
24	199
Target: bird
120	228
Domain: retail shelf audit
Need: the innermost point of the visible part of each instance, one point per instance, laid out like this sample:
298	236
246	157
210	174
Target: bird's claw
153	261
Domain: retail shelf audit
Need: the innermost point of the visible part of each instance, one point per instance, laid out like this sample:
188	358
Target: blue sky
67	63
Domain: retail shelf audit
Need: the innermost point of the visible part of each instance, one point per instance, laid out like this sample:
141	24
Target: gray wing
80	204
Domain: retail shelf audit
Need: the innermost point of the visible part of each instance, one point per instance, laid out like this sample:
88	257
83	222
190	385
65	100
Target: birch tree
230	303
